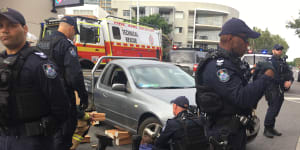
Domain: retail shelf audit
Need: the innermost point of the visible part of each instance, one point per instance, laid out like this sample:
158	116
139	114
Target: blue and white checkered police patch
49	71
223	75
73	52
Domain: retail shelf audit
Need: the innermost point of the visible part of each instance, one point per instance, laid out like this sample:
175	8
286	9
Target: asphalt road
288	122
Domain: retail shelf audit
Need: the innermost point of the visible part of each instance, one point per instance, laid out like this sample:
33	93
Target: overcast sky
272	14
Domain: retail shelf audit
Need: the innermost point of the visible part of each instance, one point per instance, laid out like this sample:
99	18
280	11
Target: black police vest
207	99
47	45
194	137
23	103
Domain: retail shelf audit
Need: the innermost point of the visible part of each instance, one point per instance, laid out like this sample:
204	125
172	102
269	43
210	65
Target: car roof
133	62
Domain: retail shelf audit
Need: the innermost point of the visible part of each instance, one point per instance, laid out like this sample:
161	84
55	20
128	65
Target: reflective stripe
78	137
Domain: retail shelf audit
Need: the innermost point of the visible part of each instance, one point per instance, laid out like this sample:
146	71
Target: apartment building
195	24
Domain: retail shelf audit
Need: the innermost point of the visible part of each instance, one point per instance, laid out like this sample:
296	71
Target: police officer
223	94
64	54
275	93
184	131
33	102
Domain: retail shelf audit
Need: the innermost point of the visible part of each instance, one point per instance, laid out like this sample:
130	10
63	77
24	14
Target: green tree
267	41
157	21
295	24
161	23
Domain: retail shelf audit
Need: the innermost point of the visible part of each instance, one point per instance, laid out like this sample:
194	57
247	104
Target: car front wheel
150	126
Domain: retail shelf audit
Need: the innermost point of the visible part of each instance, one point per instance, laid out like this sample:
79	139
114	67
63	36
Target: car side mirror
119	87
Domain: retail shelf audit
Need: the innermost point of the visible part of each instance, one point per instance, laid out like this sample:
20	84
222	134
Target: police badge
223	75
49	71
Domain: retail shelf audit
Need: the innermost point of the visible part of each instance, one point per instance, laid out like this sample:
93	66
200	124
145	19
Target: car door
116	103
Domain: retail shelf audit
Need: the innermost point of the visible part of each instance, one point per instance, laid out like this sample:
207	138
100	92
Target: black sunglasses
244	38
278	49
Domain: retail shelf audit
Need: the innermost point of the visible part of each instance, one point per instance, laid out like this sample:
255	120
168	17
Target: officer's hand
252	70
269	73
83	105
287	84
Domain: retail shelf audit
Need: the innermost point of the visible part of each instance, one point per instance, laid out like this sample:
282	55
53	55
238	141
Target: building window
190	29
189	45
116	33
179	15
126	12
178	30
178	44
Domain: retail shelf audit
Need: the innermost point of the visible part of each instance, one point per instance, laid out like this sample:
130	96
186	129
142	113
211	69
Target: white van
252	59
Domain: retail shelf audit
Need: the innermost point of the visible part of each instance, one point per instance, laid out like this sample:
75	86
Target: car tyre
150	125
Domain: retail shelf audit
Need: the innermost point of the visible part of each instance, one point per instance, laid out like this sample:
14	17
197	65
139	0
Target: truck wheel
151	126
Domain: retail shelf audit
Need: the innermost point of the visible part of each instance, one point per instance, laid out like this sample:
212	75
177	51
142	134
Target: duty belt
25	129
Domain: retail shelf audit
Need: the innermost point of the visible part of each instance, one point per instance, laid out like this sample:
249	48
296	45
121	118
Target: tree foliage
267	41
161	23
295	24
158	21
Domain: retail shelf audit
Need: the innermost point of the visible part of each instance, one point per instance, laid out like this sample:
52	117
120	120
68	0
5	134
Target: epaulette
41	55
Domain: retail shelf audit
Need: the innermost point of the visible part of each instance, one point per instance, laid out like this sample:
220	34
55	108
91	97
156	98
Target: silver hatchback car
136	94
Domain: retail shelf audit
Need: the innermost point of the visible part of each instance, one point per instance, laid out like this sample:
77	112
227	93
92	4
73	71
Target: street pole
138	11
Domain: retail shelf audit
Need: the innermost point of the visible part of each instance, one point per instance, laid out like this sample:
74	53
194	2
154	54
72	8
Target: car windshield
251	61
161	77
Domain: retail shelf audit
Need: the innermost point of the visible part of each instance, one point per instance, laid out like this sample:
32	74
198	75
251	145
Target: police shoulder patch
223	75
41	54
49	71
73	52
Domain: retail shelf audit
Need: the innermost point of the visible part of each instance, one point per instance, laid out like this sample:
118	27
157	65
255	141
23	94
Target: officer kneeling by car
224	96
184	131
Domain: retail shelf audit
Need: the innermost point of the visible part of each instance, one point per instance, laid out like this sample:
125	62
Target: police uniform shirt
40	73
66	57
223	76
172	130
277	62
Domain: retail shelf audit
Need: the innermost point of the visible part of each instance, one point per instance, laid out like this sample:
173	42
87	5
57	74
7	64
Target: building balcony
207	27
206	41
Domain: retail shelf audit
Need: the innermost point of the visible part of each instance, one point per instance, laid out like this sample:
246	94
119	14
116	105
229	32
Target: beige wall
34	11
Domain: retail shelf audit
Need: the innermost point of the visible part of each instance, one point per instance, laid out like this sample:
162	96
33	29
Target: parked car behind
252	59
187	58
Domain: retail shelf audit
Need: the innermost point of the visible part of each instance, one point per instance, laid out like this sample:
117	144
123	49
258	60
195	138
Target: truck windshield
161	77
50	30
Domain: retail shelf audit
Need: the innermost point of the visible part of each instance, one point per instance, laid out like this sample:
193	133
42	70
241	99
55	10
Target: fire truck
111	36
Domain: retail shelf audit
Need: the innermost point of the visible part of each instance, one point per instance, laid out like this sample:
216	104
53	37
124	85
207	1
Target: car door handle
105	95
